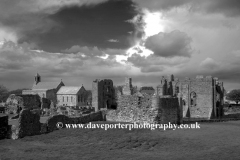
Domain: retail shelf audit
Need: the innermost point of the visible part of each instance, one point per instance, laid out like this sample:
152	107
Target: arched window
183	102
193	97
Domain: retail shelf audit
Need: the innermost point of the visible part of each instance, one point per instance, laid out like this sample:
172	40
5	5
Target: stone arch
184	102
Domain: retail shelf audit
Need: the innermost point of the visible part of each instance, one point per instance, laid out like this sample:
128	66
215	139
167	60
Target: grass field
220	140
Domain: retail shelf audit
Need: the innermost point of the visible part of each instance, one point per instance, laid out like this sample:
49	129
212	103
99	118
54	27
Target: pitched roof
68	90
146	88
46	85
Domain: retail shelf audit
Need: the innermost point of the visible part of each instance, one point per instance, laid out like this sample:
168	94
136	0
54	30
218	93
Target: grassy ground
212	141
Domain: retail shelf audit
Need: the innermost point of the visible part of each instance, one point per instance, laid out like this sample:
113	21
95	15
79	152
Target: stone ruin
173	100
15	103
103	94
201	97
145	108
28	125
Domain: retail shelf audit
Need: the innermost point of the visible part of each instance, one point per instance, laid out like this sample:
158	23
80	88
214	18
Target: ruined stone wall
31	101
53	120
96	92
169	110
145	109
127	88
203	88
13	104
16	102
28	125
184	91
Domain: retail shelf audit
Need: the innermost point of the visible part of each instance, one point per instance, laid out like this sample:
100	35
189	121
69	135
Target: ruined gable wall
203	87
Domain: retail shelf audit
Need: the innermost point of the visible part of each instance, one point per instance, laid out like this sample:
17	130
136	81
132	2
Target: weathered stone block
3	126
29	123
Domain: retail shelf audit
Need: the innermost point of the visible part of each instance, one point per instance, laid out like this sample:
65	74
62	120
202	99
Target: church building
44	89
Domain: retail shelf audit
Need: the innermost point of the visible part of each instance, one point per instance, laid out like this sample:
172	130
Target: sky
79	41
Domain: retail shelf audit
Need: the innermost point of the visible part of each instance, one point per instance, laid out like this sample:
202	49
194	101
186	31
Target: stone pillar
214	93
180	109
95	95
155	108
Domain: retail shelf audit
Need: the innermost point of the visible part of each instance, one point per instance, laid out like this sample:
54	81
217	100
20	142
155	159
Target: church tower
37	79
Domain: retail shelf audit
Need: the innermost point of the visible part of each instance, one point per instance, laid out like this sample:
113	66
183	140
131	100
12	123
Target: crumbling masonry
102	94
201	97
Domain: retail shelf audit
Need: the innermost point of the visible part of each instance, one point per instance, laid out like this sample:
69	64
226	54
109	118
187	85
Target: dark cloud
19	63
171	44
161	4
87	25
89	51
94	51
227	7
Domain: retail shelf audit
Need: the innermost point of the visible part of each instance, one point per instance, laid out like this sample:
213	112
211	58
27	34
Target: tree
3	93
234	95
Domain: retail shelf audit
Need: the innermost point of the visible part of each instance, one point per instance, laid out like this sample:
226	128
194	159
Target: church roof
46	85
146	88
68	90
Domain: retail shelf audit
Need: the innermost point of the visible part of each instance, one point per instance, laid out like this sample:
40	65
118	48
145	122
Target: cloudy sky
81	40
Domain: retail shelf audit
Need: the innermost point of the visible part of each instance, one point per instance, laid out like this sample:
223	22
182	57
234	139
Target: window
193	97
43	95
71	99
67	99
78	98
63	98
